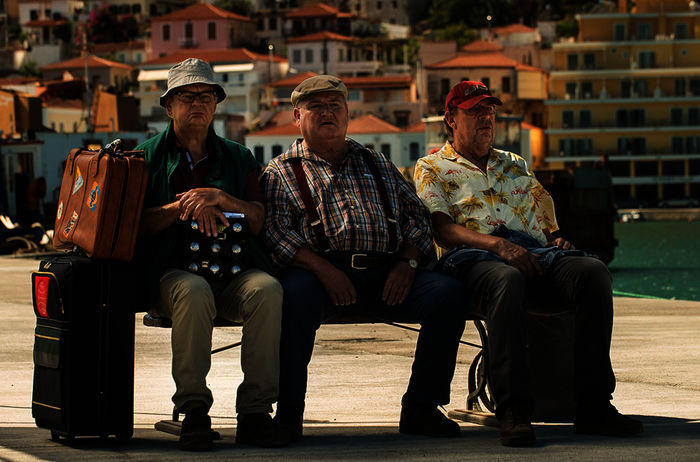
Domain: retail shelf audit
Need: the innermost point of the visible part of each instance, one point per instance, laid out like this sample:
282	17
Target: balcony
188	43
612	125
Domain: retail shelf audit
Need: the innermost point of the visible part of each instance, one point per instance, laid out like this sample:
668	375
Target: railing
615	124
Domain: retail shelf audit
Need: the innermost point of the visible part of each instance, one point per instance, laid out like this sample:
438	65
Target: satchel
101	200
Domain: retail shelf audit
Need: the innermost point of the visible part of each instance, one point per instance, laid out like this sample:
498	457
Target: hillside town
615	86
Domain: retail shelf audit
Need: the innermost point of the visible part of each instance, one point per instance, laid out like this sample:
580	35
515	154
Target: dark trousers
499	292
435	302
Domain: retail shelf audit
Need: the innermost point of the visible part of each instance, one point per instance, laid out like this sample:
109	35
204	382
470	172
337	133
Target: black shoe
516	429
290	419
605	420
420	419
196	434
260	430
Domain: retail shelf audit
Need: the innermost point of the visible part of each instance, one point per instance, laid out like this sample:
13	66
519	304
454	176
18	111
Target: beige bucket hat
318	84
188	72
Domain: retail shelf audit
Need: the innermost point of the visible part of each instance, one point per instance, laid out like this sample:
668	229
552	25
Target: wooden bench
479	405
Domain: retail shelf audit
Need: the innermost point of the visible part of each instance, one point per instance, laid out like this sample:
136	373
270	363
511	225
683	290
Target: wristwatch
412	262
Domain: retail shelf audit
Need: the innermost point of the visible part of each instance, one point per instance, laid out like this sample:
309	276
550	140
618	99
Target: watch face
413	263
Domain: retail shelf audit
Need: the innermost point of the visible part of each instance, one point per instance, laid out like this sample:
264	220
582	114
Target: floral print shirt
507	194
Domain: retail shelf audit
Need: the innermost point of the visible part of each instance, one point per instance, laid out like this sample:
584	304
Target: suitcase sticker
78	180
92	197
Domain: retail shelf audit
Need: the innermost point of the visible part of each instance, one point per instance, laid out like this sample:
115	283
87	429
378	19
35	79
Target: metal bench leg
480	403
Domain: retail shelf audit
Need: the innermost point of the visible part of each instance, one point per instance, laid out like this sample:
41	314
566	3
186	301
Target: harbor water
657	259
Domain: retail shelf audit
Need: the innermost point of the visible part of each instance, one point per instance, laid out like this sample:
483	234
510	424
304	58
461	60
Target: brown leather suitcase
101	200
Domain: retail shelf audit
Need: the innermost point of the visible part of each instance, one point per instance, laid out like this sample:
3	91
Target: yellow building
627	93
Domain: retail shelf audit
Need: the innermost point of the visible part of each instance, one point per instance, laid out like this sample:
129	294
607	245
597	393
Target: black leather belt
360	260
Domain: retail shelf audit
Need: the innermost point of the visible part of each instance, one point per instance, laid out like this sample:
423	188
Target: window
676	116
621	119
136	8
572	62
259	154
394	4
637	117
486	81
680	30
379	5
341	55
386	150
272	23
571	89
694	86
625	88
644	31
259	25
166	32
211	31
444	89
677	145
588	61
276	150
414	151
585	119
33	15
640	88
296	56
680	87
631	146
309	55
620	32
354	95
575	147
567	119
587	90
694	116
692	145
505	84
646	59
189	30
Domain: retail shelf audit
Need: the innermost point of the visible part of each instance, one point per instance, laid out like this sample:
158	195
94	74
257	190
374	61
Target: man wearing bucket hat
496	222
196	175
350	233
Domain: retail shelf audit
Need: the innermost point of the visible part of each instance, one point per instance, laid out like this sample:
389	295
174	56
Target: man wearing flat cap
195	175
496	222
350	235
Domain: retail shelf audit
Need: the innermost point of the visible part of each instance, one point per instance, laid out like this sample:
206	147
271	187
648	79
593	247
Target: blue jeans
434	302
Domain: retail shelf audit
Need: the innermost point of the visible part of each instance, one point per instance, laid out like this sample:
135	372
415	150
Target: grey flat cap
191	71
318	84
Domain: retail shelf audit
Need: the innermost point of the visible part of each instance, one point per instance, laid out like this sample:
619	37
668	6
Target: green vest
231	163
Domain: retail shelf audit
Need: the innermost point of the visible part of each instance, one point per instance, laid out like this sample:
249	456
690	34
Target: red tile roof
45	22
525	67
475	60
385	81
320	36
513	29
418	127
224	55
370	123
292	80
320	9
65	103
481	46
364	124
200	11
287	129
79	63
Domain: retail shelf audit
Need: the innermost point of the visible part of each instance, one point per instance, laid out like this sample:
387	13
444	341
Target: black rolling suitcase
83	350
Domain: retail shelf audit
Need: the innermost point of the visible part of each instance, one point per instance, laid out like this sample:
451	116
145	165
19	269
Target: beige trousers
253	298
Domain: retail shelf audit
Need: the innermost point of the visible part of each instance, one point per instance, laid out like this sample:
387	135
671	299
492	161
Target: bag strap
384	198
305	192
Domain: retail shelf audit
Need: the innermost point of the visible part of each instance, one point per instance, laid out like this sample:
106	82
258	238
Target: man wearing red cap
496	222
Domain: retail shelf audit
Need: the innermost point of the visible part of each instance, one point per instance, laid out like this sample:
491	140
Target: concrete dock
357	376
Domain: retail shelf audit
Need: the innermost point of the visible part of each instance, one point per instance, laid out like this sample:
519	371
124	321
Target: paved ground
357	377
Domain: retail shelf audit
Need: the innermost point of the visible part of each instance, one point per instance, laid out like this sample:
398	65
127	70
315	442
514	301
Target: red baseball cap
467	94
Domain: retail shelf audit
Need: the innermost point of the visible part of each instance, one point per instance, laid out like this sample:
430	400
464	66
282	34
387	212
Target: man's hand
207	220
519	257
398	284
561	243
338	285
192	202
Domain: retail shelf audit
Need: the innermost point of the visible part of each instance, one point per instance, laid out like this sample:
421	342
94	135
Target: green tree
30	69
461	33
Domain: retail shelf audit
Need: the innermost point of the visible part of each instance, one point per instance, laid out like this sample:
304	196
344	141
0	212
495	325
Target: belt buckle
352	261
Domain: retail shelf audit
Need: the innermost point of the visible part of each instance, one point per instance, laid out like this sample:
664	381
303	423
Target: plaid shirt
347	202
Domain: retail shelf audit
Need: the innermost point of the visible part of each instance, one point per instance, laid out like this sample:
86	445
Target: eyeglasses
188	97
317	107
484	111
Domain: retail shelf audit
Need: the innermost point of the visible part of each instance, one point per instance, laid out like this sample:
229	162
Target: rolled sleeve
280	235
429	188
